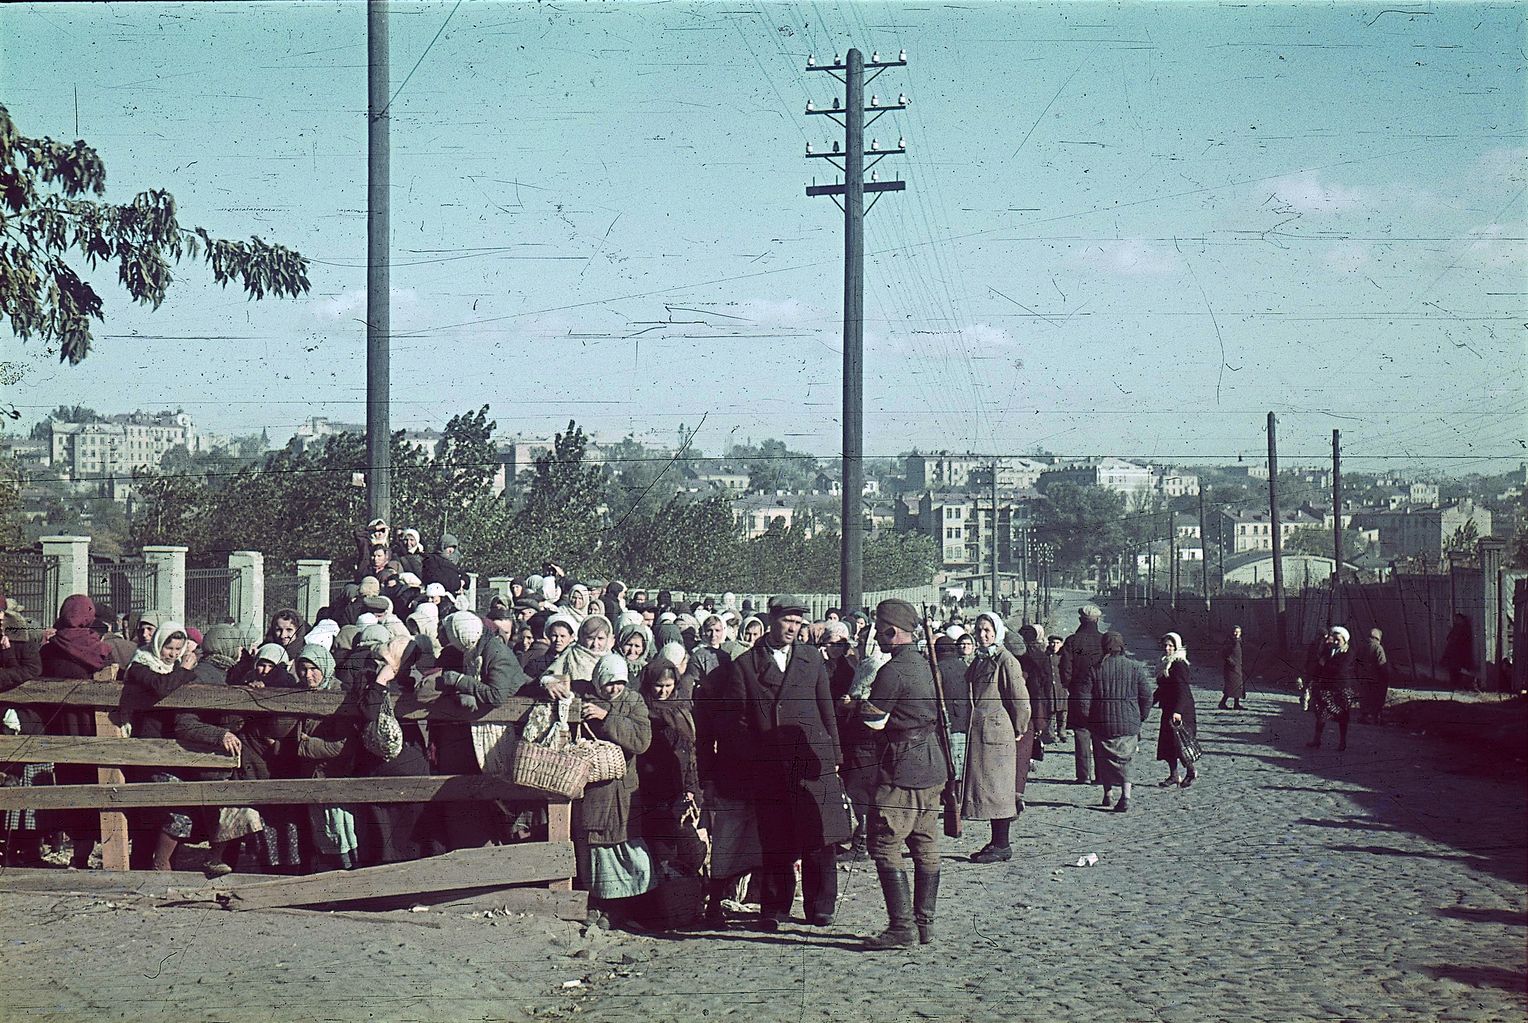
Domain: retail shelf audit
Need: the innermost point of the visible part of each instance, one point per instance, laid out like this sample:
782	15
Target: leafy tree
563	512
50	210
1465	538
1317	541
1081	521
773	466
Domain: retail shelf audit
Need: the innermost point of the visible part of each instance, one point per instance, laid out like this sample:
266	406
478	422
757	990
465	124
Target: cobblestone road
1286	885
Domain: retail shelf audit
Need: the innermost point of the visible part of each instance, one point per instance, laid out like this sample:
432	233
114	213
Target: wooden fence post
113	822
559	828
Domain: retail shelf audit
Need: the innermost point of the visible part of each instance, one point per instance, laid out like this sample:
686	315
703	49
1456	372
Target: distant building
1246	470
1255	568
92	453
962	528
1251	530
1127	478
1175	483
317	429
757	513
945	471
1425	532
727	480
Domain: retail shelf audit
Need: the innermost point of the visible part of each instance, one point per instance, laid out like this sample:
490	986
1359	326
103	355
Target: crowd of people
760	746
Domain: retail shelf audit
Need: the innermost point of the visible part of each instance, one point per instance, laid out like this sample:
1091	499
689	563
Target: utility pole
1024	571
1336	510
1273	529
1204	553
851	161
379	469
1172	559
994	538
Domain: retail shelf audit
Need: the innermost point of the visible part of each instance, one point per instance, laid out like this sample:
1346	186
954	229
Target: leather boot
925	898
899	932
164	851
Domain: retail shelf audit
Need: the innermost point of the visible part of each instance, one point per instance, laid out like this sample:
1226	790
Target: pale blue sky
1128	228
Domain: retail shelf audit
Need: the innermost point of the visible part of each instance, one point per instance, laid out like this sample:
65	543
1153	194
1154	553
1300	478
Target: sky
1130	229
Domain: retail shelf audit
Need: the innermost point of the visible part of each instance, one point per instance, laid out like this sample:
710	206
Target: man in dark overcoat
1080	654
903	710
778	734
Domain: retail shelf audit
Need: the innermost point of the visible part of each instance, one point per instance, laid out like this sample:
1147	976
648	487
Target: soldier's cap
784	604
899	613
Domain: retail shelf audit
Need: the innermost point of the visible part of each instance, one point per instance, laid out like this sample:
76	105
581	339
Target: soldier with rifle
914	777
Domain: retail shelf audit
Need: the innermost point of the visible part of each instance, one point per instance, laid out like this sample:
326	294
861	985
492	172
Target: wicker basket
606	760
540	767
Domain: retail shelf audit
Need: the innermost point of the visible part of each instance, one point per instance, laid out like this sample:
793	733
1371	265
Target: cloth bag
1188	745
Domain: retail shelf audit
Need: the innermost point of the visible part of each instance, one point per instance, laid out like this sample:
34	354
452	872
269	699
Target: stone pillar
246	597
472	584
73	575
500	585
312	586
1493	641
169	564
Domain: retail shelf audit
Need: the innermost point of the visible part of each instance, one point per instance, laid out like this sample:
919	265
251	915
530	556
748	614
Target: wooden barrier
547	864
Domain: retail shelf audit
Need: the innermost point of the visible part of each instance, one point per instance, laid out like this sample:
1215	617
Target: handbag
1188	745
383	737
607	761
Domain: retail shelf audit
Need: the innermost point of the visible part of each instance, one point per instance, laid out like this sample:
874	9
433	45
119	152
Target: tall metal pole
1024	571
1336	508
994	538
851	566
1273	529
379	470
1204	553
1172	559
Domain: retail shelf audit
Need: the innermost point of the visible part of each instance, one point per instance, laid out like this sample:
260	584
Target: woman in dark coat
19	662
1233	683
609	862
1334	690
1175	695
1459	654
75	651
386	832
669	780
159	669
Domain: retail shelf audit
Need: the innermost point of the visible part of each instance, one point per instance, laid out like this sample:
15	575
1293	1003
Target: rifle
951	795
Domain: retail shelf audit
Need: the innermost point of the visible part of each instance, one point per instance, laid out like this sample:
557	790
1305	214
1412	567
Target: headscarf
561	618
223	644
345	639
426	619
636	629
75	633
666	633
323	660
151	656
1180	653
742	630
462	630
1113	643
673	652
370	586
323	633
596	623
628	618
373	638
997	626
609	668
675	713
1347	638
273	652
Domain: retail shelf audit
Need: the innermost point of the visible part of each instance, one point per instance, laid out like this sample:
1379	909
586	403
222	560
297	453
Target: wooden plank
52	881
323	791
413	705
114	835
559	828
526	863
107	751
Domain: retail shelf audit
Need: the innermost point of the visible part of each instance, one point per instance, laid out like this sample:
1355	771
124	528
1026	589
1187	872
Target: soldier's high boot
899	932
925	898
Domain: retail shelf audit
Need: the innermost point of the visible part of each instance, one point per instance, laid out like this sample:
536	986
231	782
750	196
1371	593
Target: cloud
1305	193
787	312
1347	257
1130	257
1498	246
351	305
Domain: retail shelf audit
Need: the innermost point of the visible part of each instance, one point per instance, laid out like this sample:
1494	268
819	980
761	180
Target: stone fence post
246	597
500	585
312	586
1493	641
169	563
73	575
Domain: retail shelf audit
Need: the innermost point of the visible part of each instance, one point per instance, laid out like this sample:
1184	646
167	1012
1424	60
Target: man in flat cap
775	736
903	710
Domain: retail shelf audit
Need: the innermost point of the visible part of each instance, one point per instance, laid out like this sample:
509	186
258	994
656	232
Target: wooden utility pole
851	160
994	538
1204	552
1336	509
1273	528
1172	559
379	470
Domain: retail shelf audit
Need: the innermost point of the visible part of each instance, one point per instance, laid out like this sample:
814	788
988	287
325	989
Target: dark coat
1117	697
1175	695
957	699
776	742
440	569
1234	683
487	674
19	664
908	750
56	663
1036	663
1334	690
1080	654
606	811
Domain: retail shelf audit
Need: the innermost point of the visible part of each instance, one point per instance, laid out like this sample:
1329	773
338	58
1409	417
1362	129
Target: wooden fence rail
110	750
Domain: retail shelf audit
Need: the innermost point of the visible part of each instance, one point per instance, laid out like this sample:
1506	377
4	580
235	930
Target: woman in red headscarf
77	650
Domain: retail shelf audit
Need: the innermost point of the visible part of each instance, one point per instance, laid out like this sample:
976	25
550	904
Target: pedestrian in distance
1080	653
1175	695
1233	681
1115	703
1459	655
1334	690
1374	678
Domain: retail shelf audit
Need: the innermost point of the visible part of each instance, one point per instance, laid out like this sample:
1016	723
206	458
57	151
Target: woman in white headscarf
1000	716
425	621
1175	695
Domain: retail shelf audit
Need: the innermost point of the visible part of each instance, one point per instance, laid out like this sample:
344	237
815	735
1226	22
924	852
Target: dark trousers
1084	752
819	883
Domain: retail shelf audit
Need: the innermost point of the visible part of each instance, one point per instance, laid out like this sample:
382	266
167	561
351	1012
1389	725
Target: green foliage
773	466
562	519
1317	541
50	208
1464	538
1081	521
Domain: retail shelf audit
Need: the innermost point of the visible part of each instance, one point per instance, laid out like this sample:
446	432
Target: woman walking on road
1000	717
1334	690
1175	695
1115	700
1233	681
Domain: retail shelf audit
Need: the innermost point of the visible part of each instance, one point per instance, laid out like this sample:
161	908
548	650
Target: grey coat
1000	713
1117	697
